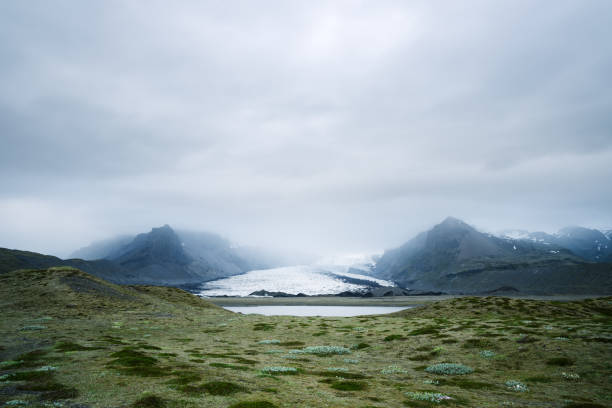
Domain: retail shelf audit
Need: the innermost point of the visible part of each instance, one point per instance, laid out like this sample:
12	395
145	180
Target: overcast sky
320	125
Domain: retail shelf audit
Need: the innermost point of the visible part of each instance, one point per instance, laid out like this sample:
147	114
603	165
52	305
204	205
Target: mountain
210	250
589	244
159	257
454	257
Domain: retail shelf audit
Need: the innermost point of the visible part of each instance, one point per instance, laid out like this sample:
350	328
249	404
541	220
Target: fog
326	127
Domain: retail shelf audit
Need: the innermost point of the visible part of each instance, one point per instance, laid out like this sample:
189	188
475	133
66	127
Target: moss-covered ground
68	339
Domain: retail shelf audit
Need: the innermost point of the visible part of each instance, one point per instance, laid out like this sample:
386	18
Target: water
339	311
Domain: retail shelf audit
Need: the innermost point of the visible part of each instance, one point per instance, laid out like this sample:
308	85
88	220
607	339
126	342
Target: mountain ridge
454	257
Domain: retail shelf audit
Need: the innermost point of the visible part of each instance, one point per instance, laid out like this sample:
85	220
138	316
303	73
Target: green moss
148	347
539	379
291	343
150	401
264	326
32	358
113	340
230	366
466	384
420	357
29	375
243	360
361	346
184	377
214	388
424	330
349	385
131	358
70	346
478	343
133	362
334	374
560	361
392	337
253	404
50	390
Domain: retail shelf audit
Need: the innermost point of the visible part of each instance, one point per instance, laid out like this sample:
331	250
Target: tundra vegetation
104	345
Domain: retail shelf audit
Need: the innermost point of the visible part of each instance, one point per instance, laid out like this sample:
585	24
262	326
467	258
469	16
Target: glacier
321	278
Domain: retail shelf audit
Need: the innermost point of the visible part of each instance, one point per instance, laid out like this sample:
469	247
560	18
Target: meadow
72	340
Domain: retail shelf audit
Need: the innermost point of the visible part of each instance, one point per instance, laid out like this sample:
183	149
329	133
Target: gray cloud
329	126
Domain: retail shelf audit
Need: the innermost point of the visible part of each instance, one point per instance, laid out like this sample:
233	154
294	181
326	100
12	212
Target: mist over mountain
455	257
103	248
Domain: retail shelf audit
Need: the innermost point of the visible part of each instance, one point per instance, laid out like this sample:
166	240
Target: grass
253	404
70	346
222	388
361	346
205	356
560	361
424	330
149	401
341	374
392	337
133	362
349	385
230	366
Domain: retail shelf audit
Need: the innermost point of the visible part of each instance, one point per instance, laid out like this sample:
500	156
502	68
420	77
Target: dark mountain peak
452	229
452	224
164	229
161	245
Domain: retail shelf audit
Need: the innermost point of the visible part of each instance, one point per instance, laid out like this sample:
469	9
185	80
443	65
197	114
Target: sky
323	126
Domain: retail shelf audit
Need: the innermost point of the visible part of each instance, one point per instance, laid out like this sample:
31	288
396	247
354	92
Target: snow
319	278
514	234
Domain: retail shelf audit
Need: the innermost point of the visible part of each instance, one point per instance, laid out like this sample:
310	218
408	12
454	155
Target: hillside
70	339
456	258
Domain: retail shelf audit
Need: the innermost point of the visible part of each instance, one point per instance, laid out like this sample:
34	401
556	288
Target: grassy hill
70	339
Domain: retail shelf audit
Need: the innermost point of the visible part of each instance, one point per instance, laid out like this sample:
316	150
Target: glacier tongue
307	279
